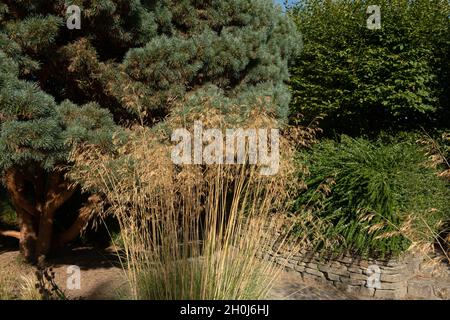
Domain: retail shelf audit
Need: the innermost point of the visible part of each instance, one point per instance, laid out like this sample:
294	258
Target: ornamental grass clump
193	231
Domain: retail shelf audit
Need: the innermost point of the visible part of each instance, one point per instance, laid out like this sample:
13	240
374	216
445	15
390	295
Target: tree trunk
28	236
36	217
58	192
45	233
84	215
26	213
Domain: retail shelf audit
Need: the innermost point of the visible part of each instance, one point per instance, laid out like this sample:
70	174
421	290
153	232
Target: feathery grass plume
194	231
438	151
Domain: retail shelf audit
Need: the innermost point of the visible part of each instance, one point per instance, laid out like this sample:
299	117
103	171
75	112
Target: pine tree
35	138
132	61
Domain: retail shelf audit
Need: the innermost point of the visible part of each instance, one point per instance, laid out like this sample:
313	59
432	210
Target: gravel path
101	277
291	286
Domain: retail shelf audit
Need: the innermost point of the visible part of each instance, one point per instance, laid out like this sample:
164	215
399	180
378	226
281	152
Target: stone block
399	293
358	276
340	271
311	277
312	265
331	276
393	263
314	272
442	290
367	292
347	260
421	289
385	277
299	268
388	270
356	290
348	288
355	269
402	285
324	267
353	282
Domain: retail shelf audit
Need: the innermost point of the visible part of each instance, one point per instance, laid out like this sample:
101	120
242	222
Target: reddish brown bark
15	184
36	217
58	192
10	233
28	235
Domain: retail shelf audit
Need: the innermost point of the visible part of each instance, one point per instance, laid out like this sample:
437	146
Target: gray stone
325	268
364	264
387	270
358	276
402	270
332	276
384	277
353	289
399	293
280	260
311	277
442	291
393	263
346	260
312	265
314	272
367	292
348	288
393	285
354	282
420	289
355	269
288	264
337	264
299	268
350	274
341	271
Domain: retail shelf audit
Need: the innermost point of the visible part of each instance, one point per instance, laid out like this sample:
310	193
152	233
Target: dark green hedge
369	80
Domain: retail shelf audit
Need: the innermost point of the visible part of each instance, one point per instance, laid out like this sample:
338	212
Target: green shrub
369	80
376	198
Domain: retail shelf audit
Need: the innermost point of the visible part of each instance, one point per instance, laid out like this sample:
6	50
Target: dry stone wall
372	278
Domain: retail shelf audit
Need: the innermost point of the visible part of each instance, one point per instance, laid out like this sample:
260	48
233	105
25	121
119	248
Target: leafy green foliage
366	80
367	192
